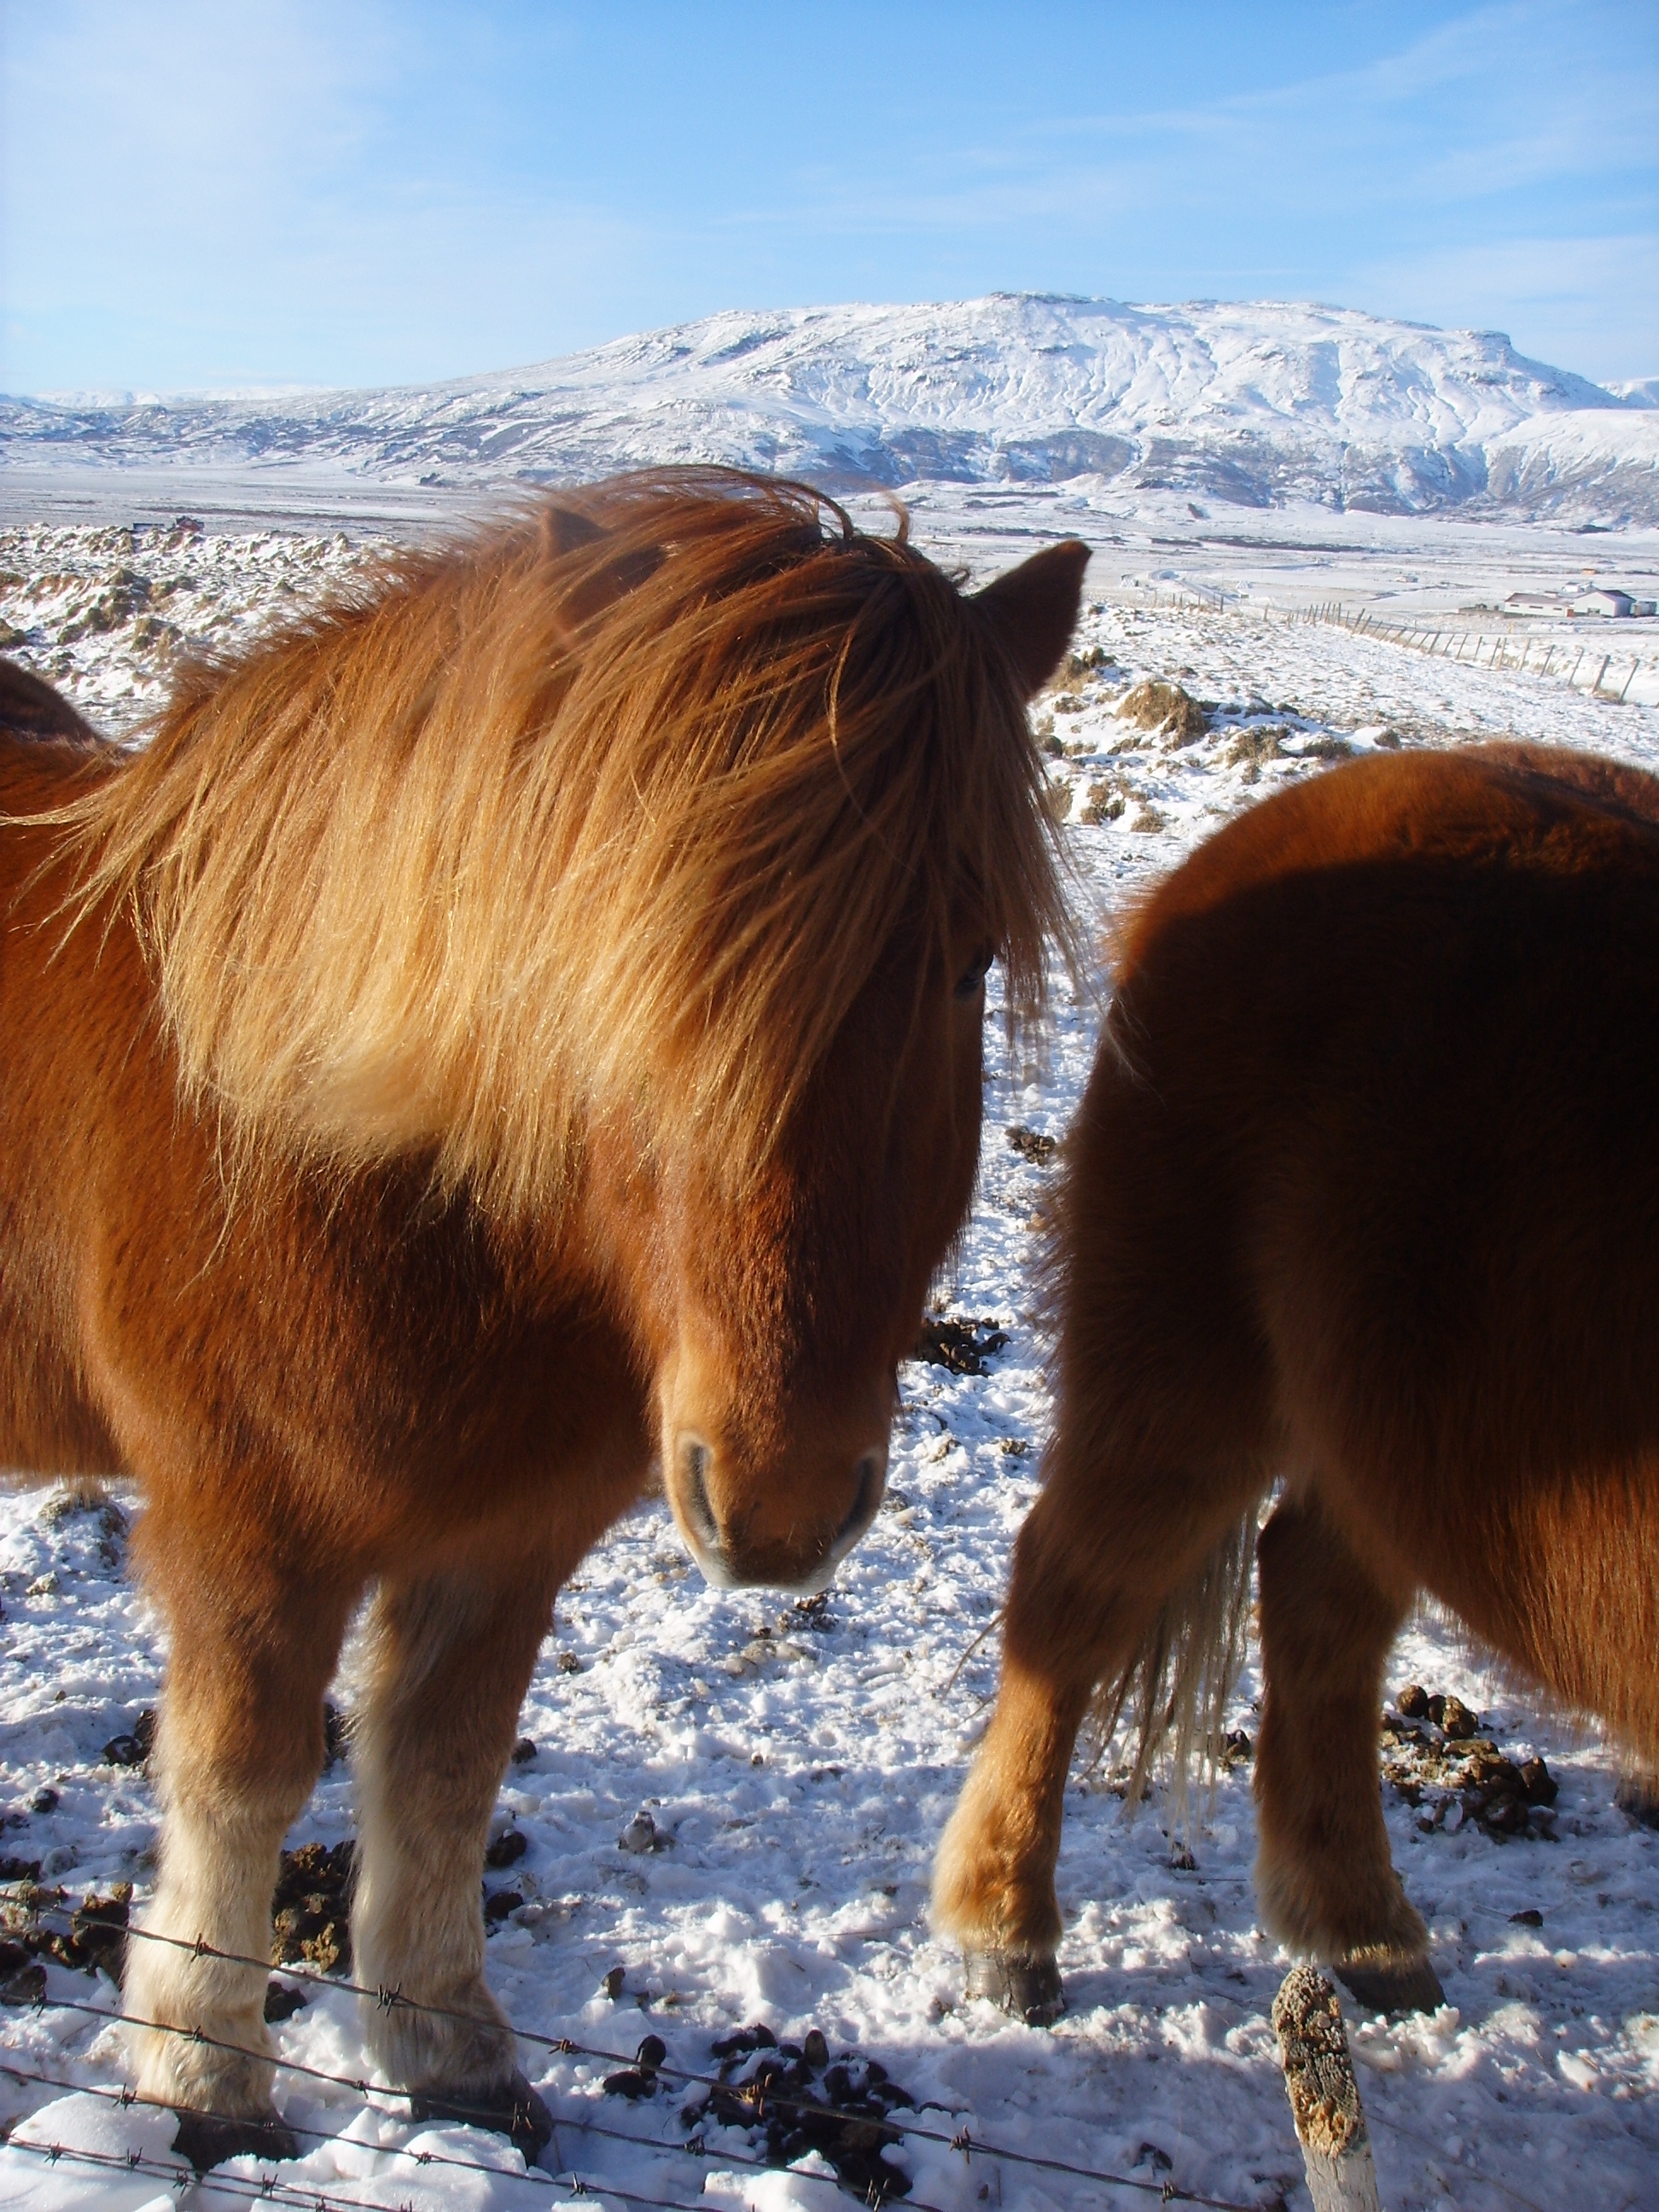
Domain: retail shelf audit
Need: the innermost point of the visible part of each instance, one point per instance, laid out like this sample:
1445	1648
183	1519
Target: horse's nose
767	1531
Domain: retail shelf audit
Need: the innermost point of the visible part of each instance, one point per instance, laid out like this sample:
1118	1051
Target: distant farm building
1603	600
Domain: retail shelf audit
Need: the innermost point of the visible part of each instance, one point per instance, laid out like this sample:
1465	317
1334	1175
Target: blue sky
257	192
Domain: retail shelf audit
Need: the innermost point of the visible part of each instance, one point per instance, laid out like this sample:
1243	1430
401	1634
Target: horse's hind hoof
207	2139
513	2108
1024	1983
1411	1985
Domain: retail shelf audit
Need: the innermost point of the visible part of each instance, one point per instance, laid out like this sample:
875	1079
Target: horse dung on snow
514	1029
1364	1196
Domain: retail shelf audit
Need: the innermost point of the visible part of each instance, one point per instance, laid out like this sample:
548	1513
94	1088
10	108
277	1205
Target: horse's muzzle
770	1539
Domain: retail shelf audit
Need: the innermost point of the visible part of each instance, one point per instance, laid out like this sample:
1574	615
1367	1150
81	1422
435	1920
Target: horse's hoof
1024	1983
207	2139
513	2108
1411	1986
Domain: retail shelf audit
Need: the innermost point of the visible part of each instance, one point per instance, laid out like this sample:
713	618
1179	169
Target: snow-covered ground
803	1763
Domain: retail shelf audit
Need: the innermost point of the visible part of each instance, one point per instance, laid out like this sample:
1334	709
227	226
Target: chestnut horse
1363	1198
511	1034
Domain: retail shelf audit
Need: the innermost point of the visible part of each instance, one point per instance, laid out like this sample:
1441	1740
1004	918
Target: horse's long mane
615	807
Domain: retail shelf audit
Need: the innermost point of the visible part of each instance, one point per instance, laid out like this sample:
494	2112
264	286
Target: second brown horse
1364	1199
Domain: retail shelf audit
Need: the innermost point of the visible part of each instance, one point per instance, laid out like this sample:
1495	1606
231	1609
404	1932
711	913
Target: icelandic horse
1363	1199
509	1036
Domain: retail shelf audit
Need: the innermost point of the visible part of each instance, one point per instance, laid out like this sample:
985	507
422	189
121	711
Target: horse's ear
565	531
1033	609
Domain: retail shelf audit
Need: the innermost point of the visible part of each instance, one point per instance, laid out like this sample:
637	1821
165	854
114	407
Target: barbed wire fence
1624	678
761	2098
590	2191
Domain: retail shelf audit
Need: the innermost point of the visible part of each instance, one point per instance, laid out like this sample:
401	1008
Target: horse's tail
1175	1686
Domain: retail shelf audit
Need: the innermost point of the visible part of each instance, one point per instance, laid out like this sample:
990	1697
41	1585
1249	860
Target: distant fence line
1624	678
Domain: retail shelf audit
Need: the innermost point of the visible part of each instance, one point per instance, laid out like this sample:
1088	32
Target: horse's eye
974	979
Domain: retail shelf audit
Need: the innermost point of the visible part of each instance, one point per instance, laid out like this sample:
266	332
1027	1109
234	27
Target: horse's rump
1366	1192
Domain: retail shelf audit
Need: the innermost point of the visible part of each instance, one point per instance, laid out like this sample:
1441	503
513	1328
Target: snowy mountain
1257	403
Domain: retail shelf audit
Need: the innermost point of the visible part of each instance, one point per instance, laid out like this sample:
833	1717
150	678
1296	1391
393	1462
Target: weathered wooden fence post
1330	2126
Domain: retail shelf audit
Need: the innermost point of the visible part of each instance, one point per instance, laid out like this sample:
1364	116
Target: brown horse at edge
510	1036
1363	1198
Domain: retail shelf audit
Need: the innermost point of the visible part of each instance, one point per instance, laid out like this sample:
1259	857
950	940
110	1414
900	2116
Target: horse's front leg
238	1746
451	1657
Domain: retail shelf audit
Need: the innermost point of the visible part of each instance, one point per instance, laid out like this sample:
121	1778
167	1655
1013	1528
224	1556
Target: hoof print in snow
770	2090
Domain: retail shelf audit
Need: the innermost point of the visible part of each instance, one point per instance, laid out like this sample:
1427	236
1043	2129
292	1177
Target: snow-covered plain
804	1763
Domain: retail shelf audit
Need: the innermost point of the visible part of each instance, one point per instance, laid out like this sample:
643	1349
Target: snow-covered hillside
1255	404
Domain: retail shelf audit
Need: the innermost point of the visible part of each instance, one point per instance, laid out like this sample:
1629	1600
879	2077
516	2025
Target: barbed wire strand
389	2000
272	2189
533	2176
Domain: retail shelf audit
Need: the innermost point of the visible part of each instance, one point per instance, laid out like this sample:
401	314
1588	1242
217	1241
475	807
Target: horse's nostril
872	1473
694	1462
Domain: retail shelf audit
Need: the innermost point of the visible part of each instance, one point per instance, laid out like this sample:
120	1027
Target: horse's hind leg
238	1746
1107	1545
451	1657
1326	1882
